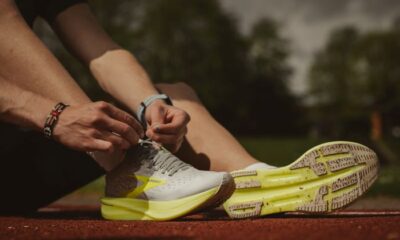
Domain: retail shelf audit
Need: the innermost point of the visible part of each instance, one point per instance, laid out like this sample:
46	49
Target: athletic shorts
36	171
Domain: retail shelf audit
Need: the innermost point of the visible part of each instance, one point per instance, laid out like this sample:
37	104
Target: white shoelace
160	158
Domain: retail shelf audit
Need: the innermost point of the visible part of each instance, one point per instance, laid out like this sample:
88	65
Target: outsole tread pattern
254	206
327	177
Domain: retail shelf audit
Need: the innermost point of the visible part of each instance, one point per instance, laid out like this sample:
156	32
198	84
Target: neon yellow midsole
292	188
138	209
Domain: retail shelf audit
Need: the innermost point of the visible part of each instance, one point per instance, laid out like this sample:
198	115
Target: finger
117	141
124	117
124	130
157	118
175	147
179	145
178	122
165	138
150	133
99	145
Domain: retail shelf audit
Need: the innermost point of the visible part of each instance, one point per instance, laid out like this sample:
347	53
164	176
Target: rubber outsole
139	209
326	178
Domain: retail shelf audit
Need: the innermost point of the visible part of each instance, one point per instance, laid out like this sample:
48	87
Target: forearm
23	108
121	75
27	63
116	70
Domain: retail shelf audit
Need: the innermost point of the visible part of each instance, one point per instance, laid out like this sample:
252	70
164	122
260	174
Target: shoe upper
151	172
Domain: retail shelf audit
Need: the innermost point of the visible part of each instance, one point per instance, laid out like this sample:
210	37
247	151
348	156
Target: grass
282	151
388	183
278	151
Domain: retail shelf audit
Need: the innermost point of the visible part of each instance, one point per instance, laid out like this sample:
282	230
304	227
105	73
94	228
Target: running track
86	223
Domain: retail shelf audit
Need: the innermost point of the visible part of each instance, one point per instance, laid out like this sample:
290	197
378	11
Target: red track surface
87	224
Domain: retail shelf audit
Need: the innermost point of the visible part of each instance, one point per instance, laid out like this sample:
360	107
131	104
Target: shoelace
161	158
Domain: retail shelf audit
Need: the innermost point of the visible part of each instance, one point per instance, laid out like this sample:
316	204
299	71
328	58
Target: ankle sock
259	165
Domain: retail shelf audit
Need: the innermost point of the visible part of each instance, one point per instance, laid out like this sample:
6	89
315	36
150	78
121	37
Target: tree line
243	78
355	84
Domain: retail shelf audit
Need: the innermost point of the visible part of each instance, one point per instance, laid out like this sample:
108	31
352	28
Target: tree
269	104
199	43
354	79
379	56
334	83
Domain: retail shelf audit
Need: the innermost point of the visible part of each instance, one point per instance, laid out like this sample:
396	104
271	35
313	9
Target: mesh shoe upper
151	172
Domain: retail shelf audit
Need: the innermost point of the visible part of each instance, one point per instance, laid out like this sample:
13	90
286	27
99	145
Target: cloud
307	23
380	8
315	10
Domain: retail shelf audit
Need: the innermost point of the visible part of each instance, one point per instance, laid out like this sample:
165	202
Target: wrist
154	100
156	103
52	119
38	108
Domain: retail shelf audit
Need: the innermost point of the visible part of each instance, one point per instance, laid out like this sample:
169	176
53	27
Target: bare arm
22	107
26	62
84	123
33	81
116	69
119	73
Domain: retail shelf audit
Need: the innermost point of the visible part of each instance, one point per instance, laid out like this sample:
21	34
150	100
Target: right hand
97	126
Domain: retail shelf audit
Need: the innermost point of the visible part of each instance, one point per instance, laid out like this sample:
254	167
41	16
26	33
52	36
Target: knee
184	88
180	90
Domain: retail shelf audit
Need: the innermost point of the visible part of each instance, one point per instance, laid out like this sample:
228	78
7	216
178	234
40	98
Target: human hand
97	126
166	124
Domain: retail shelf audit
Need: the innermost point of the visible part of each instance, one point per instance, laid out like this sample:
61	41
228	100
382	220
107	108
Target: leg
208	145
38	171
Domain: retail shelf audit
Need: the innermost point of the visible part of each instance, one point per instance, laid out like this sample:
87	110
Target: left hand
166	124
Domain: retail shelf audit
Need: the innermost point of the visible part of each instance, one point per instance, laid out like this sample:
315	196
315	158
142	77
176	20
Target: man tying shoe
56	125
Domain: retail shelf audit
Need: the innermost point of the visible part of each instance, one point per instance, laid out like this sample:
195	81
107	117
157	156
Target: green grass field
282	151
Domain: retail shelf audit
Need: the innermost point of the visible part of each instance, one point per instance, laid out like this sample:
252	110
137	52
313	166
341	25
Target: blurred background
282	75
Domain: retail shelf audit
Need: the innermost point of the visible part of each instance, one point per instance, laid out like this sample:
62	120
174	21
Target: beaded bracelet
52	119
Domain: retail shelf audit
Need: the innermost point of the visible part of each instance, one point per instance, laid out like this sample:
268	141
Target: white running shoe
153	184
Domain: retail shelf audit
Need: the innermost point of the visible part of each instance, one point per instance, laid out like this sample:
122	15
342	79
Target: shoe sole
138	209
326	178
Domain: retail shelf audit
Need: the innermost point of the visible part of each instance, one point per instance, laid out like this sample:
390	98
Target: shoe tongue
164	159
259	165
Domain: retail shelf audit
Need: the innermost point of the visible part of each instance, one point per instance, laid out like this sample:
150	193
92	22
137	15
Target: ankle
234	165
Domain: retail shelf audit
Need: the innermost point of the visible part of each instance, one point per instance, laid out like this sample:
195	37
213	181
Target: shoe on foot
327	177
153	184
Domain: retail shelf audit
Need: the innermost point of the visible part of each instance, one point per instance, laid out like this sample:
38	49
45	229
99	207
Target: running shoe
153	184
326	178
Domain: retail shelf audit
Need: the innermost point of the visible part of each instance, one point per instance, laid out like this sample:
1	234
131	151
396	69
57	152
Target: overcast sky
307	23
